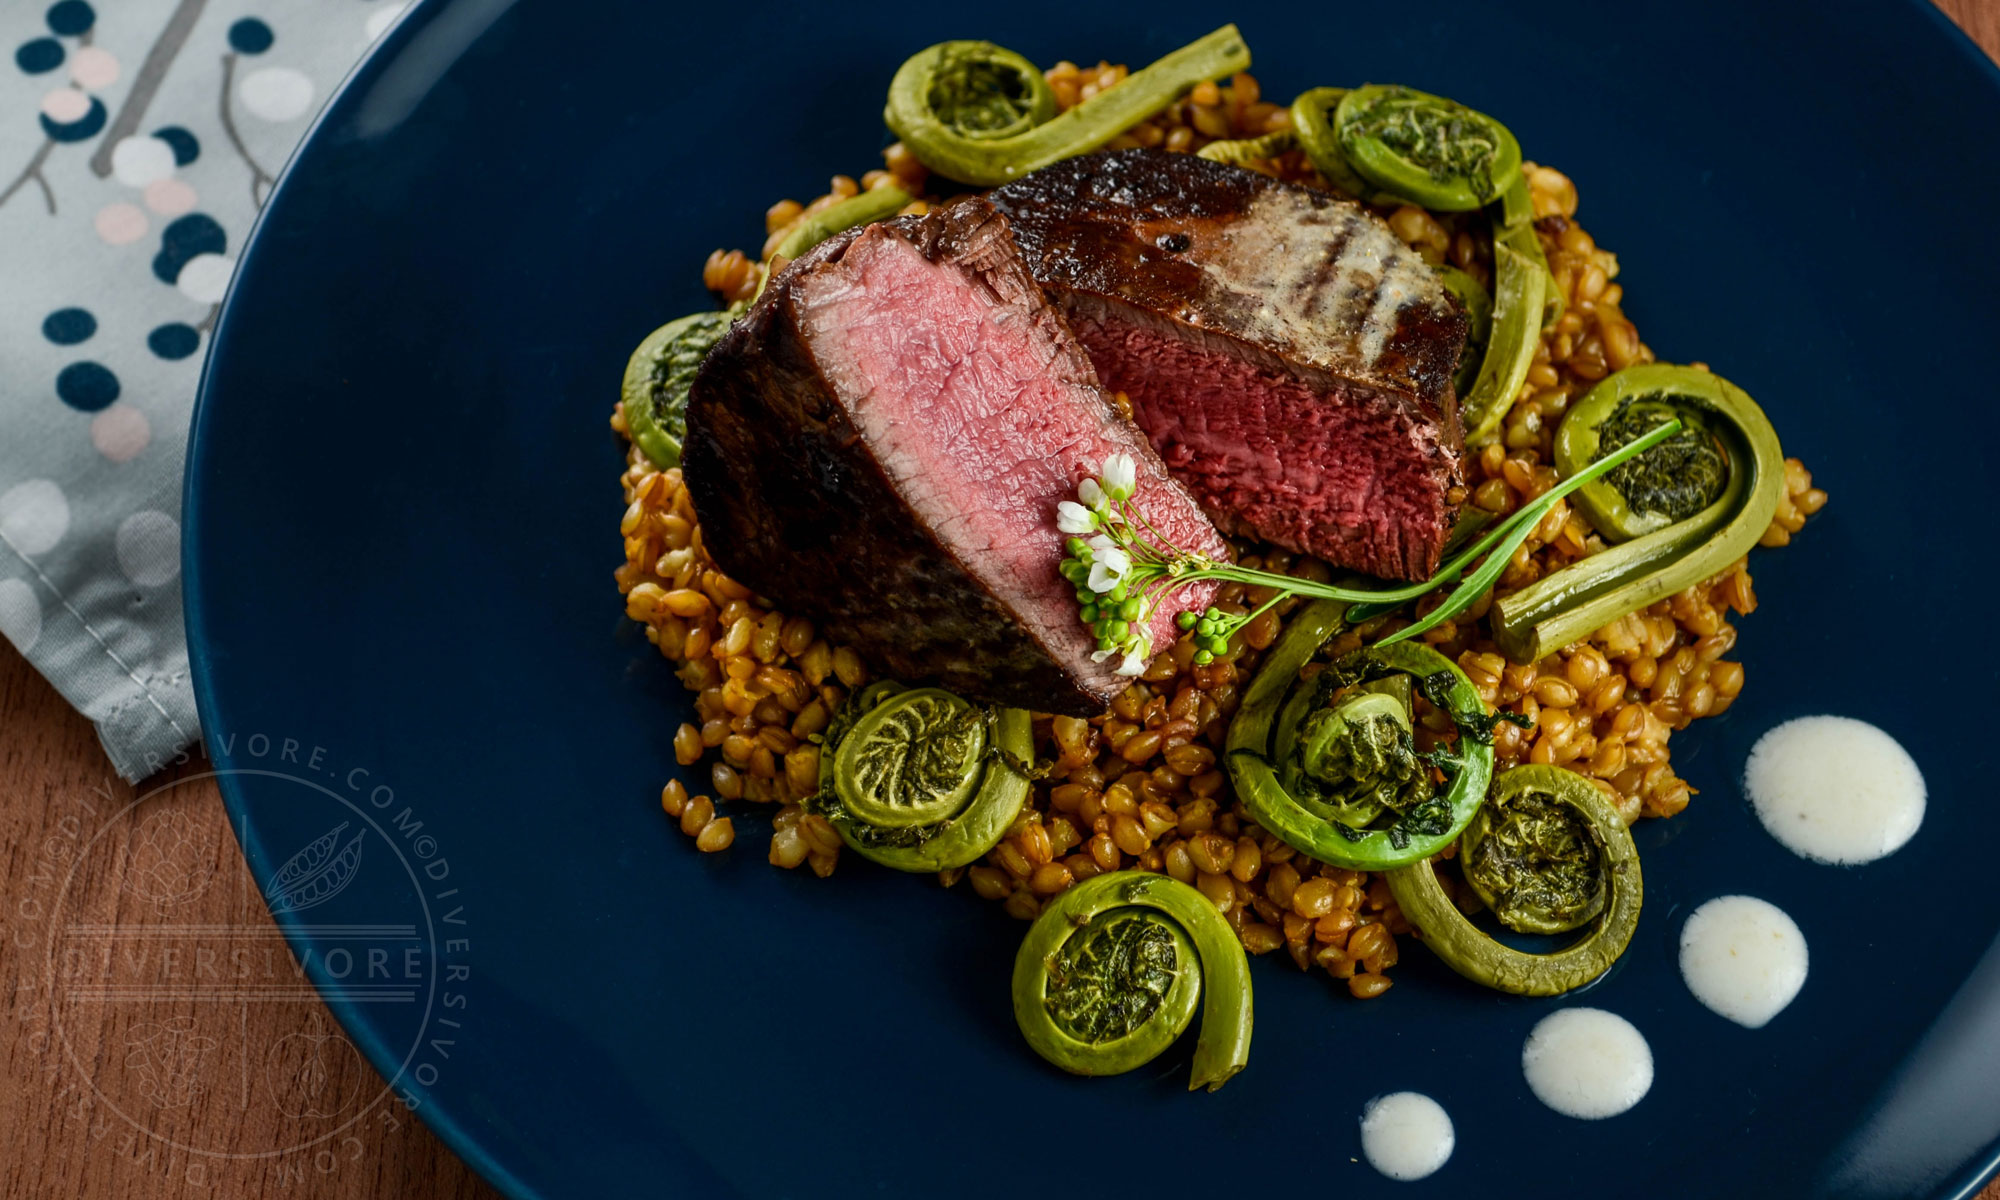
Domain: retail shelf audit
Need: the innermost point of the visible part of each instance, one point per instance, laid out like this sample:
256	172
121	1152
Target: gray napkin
138	139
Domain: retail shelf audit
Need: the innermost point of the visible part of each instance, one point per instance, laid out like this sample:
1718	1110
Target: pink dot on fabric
93	67
122	224
169	197
65	105
120	432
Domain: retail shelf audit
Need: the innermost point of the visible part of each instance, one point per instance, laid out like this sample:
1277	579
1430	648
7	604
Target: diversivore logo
156	987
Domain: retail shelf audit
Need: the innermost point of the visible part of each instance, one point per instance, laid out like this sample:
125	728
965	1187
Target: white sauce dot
1406	1135
1587	1063
1744	958
1834	789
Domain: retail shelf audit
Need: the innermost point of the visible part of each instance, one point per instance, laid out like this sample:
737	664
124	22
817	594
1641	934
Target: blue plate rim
1965	1184
369	1040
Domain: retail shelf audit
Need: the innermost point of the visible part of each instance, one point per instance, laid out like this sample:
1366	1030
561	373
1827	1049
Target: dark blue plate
402	510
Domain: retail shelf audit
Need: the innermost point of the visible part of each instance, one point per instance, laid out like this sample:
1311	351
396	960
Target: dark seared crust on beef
1287	279
1148	226
794	504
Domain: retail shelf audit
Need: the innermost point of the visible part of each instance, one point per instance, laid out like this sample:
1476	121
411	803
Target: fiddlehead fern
1682	510
921	780
1109	975
1329	764
1550	855
981	114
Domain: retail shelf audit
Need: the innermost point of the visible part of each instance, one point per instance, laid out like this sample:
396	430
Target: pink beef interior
1269	455
980	431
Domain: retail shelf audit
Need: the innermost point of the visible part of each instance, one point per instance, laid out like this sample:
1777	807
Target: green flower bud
1130	609
1202	658
1185	620
1119	630
1089	614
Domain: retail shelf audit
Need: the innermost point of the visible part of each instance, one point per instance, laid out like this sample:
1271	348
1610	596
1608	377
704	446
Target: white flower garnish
1073	518
1121	475
1110	554
1092	495
1137	657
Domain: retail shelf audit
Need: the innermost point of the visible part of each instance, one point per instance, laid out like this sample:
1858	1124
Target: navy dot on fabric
173	341
68	326
196	233
71	17
42	54
250	36
87	387
186	147
77	131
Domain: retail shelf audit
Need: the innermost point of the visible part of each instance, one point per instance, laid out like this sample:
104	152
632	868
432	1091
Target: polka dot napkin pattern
138	140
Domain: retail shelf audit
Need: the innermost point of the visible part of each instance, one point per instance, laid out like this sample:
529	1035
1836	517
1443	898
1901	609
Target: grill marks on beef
1205	291
881	444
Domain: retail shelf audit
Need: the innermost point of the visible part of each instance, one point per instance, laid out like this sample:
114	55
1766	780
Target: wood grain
88	1090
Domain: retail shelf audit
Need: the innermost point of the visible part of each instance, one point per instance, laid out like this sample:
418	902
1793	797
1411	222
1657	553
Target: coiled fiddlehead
982	114
1329	764
1426	149
1312	126
657	377
1725	469
1109	974
921	780
1551	854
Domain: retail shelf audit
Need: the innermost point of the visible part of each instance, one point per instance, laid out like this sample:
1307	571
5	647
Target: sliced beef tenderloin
881	443
1289	357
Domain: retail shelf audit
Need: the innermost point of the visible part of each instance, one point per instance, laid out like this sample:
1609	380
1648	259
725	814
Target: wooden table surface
81	1078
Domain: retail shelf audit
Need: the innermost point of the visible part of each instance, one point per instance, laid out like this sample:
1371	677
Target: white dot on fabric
65	105
120	224
138	161
120	432
378	22
149	548
275	93
205	277
33	516
20	613
93	67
